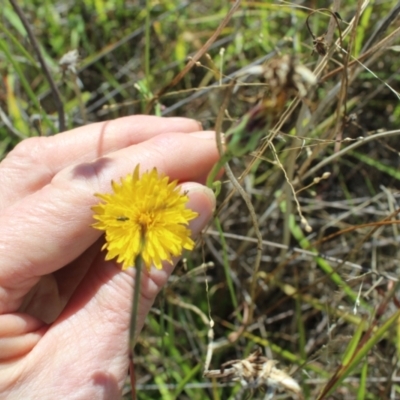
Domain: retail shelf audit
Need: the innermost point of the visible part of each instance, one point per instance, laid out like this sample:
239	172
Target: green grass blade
395	173
25	84
355	362
353	344
226	263
323	264
186	379
17	43
362	389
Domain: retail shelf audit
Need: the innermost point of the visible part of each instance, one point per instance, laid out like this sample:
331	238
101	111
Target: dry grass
324	303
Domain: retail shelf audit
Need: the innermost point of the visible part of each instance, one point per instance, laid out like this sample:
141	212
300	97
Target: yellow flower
144	216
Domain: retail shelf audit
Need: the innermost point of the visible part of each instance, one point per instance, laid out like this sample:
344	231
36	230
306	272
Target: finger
101	310
19	333
12	347
51	227
17	324
35	161
49	296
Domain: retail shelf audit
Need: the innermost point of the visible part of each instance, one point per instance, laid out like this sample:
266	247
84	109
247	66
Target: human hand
64	311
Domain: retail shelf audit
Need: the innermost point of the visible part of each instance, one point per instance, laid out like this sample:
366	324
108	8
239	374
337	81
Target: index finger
35	161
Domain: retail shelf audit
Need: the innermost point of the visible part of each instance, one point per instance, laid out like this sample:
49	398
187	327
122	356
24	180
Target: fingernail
202	200
206	191
204	135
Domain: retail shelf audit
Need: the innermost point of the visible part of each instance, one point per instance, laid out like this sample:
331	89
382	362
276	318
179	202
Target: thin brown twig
329	36
336	24
352	146
253	216
351	75
132	376
342	98
333	23
378	47
321	45
195	58
56	94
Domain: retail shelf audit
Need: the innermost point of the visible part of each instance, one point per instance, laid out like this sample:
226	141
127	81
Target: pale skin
64	311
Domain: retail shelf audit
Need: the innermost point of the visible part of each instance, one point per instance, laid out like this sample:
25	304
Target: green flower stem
132	326
135	305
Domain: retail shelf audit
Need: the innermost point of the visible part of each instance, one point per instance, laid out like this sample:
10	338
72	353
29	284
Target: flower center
145	220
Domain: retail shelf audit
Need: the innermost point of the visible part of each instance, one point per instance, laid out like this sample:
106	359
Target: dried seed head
256	371
286	73
326	175
320	45
69	61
